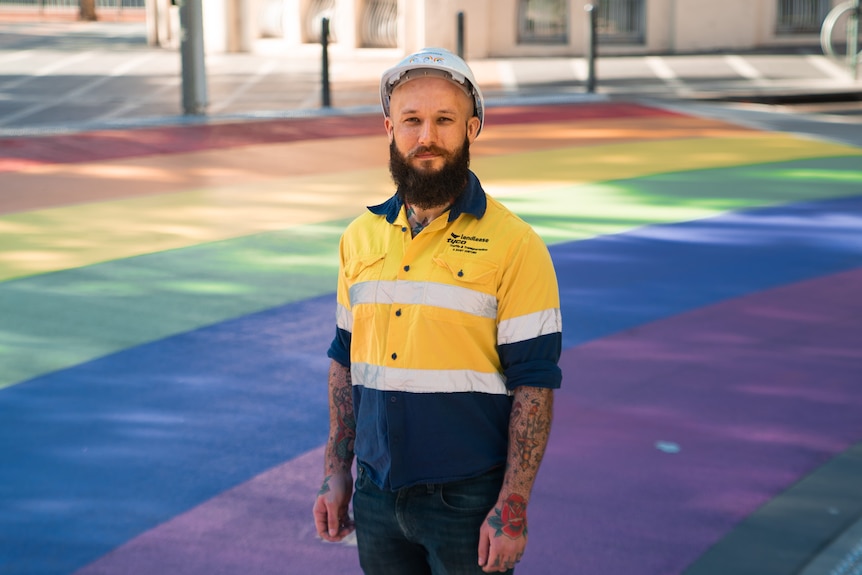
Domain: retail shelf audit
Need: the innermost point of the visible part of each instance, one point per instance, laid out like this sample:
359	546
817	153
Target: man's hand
330	510
503	536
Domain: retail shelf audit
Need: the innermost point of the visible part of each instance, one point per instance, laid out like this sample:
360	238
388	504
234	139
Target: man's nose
428	133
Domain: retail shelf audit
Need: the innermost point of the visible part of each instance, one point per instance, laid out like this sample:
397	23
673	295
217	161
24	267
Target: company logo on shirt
466	244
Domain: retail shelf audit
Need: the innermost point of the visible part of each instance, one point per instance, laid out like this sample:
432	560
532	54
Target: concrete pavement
69	75
166	301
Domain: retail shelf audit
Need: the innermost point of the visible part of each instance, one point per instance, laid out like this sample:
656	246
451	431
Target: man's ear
473	128
387	123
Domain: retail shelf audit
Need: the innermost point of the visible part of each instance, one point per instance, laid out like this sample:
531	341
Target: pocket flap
355	266
468	270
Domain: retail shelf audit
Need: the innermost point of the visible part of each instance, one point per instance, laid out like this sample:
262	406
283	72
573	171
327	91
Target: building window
543	22
801	16
379	27
622	21
312	22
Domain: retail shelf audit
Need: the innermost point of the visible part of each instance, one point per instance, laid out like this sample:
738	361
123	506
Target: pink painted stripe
757	392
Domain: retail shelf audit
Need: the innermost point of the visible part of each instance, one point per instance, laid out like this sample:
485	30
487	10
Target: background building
493	28
507	28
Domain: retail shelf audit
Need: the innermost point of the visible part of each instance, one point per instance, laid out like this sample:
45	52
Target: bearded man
444	362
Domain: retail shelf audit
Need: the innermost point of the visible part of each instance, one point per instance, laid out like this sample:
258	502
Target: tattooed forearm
342	424
529	429
345	424
530	433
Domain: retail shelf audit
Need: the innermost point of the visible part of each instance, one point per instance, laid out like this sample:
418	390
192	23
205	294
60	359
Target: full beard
430	189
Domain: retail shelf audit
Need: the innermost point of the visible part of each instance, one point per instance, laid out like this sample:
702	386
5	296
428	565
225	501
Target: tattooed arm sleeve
529	428
342	424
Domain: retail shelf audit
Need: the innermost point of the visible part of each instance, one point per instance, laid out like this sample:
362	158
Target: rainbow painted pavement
167	298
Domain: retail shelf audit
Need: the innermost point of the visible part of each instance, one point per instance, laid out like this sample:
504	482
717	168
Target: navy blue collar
472	201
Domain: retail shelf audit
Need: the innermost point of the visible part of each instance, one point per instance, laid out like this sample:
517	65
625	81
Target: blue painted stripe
96	454
93	455
612	283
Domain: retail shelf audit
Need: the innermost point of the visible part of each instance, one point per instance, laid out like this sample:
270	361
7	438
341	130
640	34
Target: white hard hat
437	62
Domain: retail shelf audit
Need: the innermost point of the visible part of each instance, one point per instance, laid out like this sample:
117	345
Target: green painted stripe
57	320
578	212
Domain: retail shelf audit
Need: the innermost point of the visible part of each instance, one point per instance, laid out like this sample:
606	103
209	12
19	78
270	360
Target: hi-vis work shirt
438	330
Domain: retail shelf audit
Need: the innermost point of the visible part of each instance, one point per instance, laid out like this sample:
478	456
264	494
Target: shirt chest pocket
473	274
363	275
366	267
465	290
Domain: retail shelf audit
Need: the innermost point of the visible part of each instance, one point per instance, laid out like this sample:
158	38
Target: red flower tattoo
511	520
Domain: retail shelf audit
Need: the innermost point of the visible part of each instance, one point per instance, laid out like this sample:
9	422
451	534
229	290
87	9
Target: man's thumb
334	524
484	548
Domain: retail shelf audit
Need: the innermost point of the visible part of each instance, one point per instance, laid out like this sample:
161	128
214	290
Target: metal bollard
853	40
592	43
192	57
324	44
460	21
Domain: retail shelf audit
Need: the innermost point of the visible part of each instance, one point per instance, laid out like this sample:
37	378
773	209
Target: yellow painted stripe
73	236
567	166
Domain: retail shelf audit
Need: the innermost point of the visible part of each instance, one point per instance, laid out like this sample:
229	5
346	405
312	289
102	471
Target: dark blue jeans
425	529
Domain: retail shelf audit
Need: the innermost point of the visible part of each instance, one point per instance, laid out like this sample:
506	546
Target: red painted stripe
114	144
18	153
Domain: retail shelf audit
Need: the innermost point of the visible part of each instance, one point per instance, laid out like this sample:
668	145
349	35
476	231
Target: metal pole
592	42
672	26
853	40
324	43
460	21
192	57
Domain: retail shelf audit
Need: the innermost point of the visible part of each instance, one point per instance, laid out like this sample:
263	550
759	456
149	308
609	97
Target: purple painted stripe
756	392
262	526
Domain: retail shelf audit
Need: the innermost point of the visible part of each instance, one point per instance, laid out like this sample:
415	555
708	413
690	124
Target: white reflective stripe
425	293
344	318
529	326
372	292
426	380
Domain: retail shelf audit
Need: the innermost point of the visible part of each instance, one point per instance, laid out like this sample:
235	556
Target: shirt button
460	273
406	268
403	229
393	399
398	313
394	356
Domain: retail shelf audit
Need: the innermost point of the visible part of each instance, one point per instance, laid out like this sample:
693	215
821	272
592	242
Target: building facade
507	28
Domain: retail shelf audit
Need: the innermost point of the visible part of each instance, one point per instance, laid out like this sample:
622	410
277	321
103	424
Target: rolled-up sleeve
529	323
